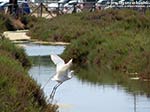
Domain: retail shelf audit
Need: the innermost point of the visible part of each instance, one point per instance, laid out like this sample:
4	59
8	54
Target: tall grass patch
117	40
18	53
18	92
113	39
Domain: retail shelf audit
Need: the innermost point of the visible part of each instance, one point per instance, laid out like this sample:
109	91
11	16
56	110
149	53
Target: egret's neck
67	66
70	74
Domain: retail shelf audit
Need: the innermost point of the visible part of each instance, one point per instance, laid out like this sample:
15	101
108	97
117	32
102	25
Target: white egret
63	72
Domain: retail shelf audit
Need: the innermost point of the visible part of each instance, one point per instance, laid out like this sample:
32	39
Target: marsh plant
18	92
9	23
112	39
9	49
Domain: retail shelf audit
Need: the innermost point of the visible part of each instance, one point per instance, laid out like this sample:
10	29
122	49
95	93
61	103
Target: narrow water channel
78	96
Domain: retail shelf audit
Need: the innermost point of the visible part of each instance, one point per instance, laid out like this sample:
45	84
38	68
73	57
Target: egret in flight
63	72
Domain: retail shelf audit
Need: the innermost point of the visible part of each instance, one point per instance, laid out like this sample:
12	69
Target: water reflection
106	93
76	95
134	102
103	77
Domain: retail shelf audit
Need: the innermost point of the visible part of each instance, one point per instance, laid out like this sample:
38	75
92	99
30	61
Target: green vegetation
9	23
17	53
115	40
18	92
62	28
3	23
110	39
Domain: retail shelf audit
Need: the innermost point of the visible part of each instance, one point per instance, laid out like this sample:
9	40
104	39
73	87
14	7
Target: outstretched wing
57	61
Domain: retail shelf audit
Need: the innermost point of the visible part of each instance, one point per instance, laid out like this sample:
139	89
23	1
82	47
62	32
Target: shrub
113	39
7	22
18	91
6	47
117	40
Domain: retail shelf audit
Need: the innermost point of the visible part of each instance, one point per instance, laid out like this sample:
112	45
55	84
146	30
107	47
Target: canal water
81	96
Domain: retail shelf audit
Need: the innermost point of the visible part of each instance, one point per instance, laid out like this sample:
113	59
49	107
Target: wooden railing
41	8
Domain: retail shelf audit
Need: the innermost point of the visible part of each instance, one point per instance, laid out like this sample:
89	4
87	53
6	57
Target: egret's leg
51	95
53	91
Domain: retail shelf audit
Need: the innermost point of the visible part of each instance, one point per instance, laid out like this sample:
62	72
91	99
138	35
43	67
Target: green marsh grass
18	92
113	39
6	23
18	53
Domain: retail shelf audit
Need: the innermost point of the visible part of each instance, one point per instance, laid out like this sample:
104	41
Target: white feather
63	72
59	62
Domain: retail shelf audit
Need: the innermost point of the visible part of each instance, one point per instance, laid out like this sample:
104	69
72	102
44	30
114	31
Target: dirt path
20	35
16	35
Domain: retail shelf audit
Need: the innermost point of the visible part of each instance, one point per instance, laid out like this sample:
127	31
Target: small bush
118	40
113	39
7	22
18	91
9	49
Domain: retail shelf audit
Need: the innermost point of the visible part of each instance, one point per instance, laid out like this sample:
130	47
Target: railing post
41	9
